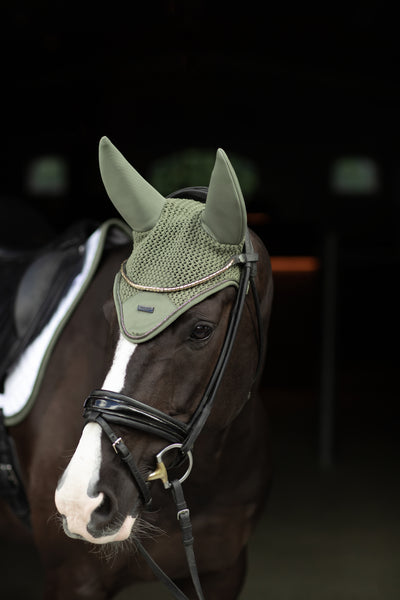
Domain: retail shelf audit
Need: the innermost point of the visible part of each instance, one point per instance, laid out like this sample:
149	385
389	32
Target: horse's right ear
224	216
134	198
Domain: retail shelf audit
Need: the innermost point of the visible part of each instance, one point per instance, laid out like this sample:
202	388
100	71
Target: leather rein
105	407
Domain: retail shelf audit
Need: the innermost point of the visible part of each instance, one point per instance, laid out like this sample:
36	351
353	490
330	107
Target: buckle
183	514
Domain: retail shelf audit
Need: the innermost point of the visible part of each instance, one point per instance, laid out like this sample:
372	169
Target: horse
169	471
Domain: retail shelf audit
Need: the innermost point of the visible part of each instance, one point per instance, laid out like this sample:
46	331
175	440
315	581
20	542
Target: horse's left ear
224	216
135	199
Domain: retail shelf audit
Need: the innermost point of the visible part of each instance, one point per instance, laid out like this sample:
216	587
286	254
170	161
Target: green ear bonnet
183	250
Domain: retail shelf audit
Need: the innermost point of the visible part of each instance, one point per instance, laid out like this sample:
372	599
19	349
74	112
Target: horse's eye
201	332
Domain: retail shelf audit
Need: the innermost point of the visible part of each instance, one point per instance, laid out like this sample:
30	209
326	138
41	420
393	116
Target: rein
106	407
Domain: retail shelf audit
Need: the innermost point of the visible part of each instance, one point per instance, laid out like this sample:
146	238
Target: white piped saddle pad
23	380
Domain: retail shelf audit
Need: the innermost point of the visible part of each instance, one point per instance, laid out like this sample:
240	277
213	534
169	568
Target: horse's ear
224	216
134	198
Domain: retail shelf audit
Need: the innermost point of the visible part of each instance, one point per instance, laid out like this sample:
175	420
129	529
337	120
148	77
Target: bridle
107	407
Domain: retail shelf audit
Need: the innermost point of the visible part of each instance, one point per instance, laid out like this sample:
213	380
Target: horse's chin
119	534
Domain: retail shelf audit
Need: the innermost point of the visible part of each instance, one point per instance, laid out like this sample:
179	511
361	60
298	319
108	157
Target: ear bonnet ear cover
183	251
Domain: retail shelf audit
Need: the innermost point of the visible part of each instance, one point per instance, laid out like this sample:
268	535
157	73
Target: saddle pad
24	379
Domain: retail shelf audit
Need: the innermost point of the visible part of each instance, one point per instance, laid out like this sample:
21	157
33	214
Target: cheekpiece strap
122	450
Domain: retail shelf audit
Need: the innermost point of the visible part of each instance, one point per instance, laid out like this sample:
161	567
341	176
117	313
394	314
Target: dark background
290	87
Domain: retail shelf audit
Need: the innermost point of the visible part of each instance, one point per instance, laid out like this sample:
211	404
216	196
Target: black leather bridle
107	407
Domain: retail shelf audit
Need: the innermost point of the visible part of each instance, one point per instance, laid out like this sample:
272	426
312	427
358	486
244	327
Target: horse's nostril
105	507
103	518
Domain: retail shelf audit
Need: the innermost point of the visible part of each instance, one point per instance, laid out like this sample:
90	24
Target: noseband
105	407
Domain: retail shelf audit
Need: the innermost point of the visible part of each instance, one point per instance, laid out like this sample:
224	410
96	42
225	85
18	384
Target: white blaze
83	472
114	382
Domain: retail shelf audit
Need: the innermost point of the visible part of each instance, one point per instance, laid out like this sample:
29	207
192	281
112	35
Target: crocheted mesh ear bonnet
183	250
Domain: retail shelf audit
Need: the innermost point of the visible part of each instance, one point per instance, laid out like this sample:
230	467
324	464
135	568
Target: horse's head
184	340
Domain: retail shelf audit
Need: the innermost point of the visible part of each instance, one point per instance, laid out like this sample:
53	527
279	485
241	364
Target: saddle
32	285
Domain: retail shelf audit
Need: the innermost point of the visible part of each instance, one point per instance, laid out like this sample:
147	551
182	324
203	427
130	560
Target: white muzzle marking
73	496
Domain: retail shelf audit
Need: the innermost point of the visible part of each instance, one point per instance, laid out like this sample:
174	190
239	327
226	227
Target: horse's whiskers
57	518
142	529
145	530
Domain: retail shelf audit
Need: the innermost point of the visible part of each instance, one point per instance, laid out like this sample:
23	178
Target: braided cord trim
148	288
